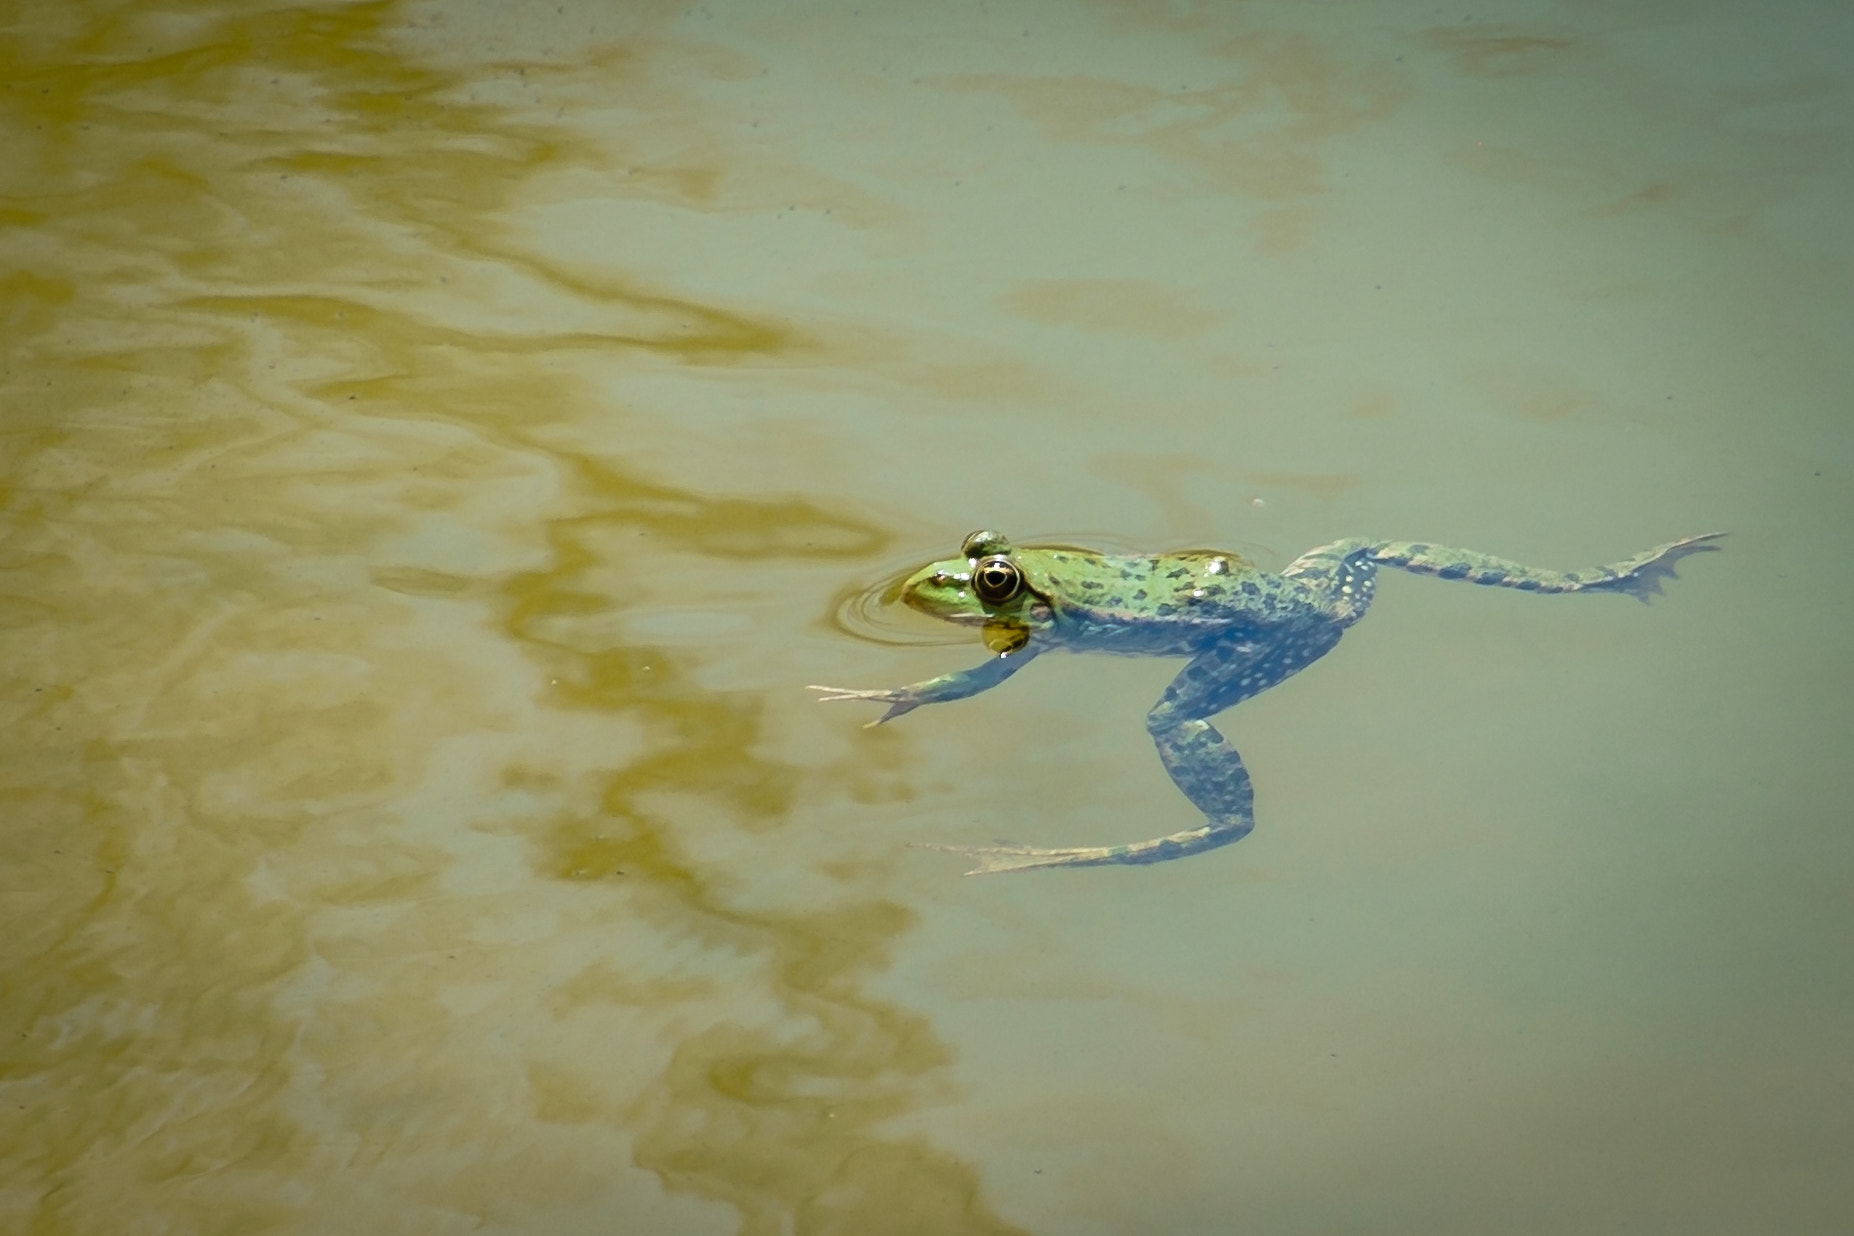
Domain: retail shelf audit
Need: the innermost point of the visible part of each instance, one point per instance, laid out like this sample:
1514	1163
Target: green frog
1243	628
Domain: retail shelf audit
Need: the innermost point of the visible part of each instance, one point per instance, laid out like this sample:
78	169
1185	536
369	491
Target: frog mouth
946	595
959	617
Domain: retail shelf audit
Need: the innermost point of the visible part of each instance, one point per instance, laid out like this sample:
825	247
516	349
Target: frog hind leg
1639	577
1200	760
1218	783
1341	572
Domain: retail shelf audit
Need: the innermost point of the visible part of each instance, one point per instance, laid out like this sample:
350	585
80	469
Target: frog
1242	629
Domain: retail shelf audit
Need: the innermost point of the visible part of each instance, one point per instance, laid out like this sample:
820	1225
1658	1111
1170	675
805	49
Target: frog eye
983	544
996	579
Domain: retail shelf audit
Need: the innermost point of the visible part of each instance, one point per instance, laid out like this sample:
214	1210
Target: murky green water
437	437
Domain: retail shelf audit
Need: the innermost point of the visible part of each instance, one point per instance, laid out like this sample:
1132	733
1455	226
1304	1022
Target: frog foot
993	859
1641	577
899	700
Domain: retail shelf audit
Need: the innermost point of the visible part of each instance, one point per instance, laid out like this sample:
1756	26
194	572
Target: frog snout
939	592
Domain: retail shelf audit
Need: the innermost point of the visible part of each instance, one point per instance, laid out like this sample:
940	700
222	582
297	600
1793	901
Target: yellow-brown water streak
347	850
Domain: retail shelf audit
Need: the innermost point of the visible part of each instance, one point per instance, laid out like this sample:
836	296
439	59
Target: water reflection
350	836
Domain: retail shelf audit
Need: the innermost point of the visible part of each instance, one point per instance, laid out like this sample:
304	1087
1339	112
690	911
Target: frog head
984	587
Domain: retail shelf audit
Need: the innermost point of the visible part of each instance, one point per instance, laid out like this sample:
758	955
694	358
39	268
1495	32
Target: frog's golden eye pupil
996	580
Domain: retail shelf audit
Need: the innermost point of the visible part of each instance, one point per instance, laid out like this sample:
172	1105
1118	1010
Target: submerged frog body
1243	628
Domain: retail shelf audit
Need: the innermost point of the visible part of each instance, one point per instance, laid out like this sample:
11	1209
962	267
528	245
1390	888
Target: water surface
437	436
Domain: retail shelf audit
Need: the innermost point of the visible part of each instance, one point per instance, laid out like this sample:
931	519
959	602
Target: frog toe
1003	857
1642	577
832	695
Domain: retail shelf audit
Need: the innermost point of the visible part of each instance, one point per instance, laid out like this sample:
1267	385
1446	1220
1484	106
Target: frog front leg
955	686
1200	760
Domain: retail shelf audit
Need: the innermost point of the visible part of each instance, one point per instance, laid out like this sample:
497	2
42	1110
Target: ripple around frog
875	613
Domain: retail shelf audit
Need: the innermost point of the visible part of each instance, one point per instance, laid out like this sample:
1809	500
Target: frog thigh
1228	673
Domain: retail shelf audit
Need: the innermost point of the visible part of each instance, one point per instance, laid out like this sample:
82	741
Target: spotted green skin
1243	628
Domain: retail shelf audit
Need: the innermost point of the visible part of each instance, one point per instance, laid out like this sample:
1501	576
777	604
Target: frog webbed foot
1005	856
1008	856
1641	577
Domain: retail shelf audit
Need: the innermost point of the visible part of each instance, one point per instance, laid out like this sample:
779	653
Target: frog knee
1163	718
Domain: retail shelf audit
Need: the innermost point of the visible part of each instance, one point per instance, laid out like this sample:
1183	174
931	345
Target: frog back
1159	604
